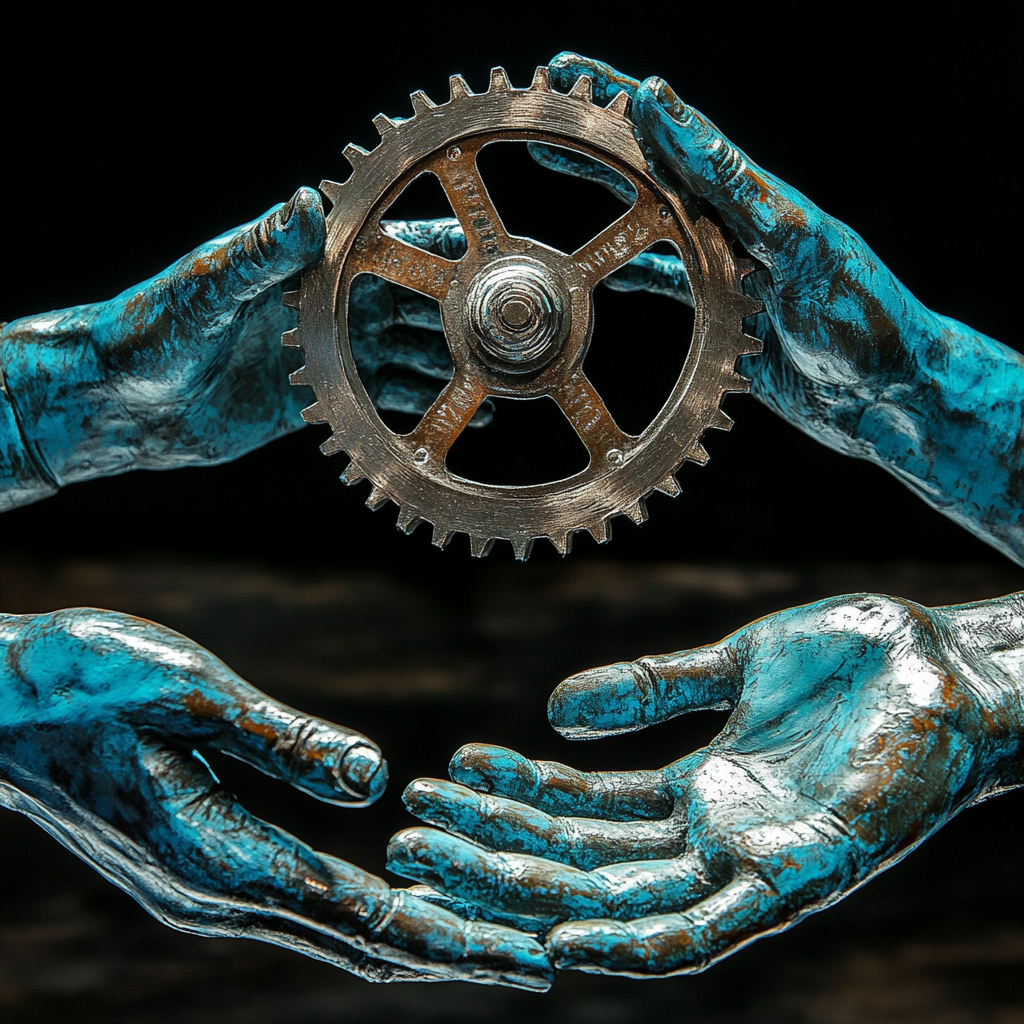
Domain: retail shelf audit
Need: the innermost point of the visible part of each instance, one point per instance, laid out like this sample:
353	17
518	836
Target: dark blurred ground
424	664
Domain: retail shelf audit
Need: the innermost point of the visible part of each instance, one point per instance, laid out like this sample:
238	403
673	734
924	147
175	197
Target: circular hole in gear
638	348
528	442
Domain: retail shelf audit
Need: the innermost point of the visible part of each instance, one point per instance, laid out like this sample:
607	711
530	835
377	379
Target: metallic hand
100	718
850	356
859	726
188	368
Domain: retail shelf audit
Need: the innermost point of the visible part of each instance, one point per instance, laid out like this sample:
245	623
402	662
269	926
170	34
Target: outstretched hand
859	726
101	715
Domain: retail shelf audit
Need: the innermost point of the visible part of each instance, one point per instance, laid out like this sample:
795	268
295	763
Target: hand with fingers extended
859	726
850	356
102	717
188	368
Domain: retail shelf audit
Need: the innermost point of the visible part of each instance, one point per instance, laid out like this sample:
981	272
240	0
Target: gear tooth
408	519
619	103
352	474
422	103
353	154
332	189
721	421
583	89
600	530
442	535
291	338
377	499
747	305
752	347
333	445
562	542
541	79
480	547
638	511
698	453
314	413
301	376
499	81
384	124
522	546
734	381
291	299
459	87
669	486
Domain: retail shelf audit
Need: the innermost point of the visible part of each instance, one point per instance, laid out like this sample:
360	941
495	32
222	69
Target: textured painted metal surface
859	726
100	715
187	368
850	356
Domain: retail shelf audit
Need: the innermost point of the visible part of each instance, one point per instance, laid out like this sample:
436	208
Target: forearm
22	479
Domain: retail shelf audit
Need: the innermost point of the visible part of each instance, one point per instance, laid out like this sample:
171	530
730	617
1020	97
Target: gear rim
405	468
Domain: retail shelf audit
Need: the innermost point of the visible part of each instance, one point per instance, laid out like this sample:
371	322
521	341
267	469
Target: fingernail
666	96
364	770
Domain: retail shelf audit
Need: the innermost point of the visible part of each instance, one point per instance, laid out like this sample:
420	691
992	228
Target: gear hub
518	317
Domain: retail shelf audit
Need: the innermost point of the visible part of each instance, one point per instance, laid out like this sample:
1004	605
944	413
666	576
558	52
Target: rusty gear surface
518	317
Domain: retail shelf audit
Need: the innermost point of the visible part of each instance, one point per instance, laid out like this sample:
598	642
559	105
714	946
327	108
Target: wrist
60	396
986	642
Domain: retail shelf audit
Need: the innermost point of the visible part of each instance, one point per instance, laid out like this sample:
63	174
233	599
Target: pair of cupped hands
858	725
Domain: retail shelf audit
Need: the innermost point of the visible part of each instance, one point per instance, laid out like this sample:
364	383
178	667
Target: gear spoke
400	263
623	240
466	191
591	419
448	416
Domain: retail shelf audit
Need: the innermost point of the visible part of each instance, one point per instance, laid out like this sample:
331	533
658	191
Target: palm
856	731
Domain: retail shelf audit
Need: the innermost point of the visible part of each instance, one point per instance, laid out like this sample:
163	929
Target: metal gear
518	317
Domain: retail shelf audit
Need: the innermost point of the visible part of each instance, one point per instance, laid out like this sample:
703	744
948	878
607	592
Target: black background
128	140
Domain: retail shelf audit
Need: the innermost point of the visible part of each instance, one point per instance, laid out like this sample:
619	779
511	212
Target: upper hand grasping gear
100	715
850	356
187	368
859	726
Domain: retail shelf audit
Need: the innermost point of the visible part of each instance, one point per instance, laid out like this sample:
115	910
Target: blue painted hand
850	356
100	718
188	368
859	726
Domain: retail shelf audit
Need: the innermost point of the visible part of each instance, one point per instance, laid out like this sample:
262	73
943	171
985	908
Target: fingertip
364	771
579	703
303	215
475	765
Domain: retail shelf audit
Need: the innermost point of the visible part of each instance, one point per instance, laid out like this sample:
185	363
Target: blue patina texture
859	724
100	717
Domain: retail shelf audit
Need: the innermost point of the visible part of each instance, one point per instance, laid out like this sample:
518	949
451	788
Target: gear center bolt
519	312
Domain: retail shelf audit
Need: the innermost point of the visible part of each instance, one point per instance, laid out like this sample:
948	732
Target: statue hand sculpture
100	715
850	356
859	726
188	369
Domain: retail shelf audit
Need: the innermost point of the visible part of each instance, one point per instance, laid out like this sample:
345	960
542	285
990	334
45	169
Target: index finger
755	204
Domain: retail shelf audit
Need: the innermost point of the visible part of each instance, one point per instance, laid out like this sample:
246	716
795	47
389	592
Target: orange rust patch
199	704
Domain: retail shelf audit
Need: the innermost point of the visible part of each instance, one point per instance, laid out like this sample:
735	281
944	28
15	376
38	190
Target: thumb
240	264
632	695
